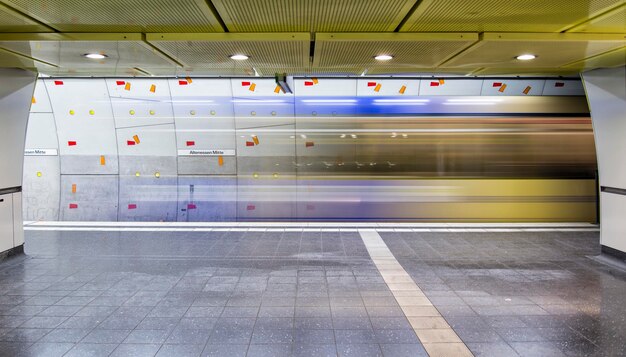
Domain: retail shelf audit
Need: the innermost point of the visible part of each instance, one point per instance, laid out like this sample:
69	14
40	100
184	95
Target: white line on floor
436	335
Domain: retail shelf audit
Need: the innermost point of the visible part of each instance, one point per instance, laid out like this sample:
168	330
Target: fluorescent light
239	57
329	101
383	57
526	57
401	100
258	101
95	55
474	100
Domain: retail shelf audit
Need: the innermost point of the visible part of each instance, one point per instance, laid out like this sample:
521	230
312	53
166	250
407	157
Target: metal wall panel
147	150
41	101
148	199
41	188
387	87
266	182
18	220
563	87
41	132
6	222
261	102
512	87
89	198
204	117
207	198
85	126
442	86
138	102
325	87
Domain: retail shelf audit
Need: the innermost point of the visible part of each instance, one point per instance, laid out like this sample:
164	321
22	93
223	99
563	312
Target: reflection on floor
305	293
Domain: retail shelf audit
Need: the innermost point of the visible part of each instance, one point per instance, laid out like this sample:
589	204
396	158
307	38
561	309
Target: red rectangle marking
182	83
132	206
371	84
73	205
58	83
434	84
71	143
249	143
191	206
559	84
245	84
130	142
250	207
120	83
191	143
308	83
497	84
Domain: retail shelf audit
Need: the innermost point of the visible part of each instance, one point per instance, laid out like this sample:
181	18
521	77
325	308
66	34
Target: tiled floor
295	293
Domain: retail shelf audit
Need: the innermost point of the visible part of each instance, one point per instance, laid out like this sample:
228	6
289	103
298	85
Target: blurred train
338	150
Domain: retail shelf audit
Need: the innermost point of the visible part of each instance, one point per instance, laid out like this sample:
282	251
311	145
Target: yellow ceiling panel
415	71
357	50
498	50
211	51
12	21
613	58
121	16
502	15
124	51
524	72
10	59
611	22
312	16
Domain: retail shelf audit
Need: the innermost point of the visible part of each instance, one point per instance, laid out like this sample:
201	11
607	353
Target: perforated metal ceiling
123	54
312	15
502	15
612	21
409	50
121	15
206	51
552	50
332	37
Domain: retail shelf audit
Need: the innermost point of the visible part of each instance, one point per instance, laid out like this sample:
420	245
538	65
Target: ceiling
306	37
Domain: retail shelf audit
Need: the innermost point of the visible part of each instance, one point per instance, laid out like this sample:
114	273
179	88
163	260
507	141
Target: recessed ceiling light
526	57
383	57
239	57
95	55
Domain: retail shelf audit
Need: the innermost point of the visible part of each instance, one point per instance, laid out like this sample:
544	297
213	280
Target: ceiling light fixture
239	57
526	57
95	55
383	57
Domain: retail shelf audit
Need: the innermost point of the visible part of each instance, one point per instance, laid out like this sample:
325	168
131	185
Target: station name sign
212	152
41	152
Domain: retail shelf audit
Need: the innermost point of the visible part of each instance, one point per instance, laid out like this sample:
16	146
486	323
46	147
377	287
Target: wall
606	93
16	90
183	149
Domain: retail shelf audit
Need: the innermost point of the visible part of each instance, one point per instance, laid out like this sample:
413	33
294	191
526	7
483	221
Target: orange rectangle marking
277	89
127	86
502	88
189	80
441	81
102	160
136	138
220	160
252	87
153	88
377	88
315	81
255	139
402	89
33	101
73	188
527	89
